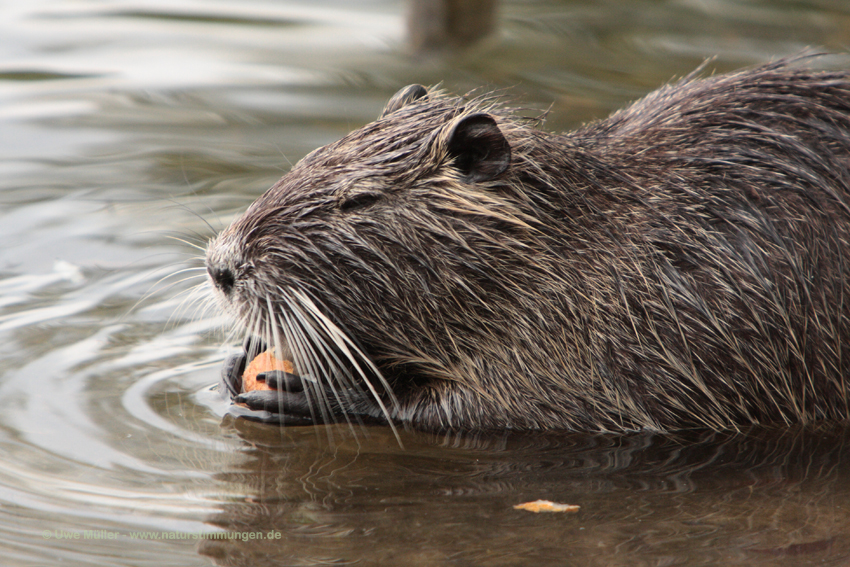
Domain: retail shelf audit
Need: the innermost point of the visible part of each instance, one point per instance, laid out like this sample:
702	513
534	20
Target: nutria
450	266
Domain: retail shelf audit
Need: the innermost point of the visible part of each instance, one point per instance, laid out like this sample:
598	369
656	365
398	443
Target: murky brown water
129	131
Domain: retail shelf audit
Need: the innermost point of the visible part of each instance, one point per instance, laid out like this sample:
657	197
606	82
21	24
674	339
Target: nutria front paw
287	402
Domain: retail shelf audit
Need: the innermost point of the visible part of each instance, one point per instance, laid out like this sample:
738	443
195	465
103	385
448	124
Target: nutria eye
359	201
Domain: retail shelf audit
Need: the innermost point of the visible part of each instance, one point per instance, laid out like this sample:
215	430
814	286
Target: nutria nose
222	278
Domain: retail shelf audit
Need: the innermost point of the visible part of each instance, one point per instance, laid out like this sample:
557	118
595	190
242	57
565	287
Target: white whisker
304	364
332	371
346	345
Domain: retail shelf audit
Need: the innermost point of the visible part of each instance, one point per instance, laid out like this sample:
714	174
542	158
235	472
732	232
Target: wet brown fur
681	263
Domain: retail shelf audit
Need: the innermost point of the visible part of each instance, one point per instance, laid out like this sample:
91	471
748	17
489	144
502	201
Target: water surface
131	131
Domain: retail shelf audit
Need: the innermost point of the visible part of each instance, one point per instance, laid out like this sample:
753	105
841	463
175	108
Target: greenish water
131	131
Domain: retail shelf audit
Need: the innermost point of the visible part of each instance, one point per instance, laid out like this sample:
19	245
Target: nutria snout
683	263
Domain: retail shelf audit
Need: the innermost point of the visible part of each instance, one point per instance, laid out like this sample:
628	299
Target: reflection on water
766	498
131	131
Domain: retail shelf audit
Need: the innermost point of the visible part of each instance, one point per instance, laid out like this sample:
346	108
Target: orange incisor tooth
264	362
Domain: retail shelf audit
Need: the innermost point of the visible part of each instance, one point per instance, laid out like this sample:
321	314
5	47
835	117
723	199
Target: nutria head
387	247
460	268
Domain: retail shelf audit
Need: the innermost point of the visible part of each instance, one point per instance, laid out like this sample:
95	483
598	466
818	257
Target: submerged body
682	263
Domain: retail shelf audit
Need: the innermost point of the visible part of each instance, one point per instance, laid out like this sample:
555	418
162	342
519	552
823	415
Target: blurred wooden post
448	25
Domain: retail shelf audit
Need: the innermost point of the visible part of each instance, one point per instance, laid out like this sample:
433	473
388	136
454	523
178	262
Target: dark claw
280	380
261	400
295	403
230	383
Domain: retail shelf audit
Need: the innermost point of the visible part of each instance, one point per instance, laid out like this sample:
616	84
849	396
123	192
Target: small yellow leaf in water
546	506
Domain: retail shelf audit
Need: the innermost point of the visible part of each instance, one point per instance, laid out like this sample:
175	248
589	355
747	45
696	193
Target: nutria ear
404	97
479	148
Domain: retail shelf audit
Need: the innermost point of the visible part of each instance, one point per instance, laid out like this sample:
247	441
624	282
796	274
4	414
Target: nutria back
682	263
